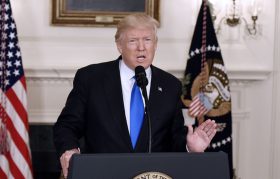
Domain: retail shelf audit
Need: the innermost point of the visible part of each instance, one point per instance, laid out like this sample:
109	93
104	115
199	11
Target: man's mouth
141	57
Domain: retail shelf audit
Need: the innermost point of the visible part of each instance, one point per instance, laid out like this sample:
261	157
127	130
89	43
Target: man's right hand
65	158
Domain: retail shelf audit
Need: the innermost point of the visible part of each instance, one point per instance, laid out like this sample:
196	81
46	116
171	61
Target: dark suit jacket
95	110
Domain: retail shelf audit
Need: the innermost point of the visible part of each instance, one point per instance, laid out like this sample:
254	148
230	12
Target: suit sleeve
69	127
178	129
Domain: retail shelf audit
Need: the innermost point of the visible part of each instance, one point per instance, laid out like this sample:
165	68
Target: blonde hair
136	21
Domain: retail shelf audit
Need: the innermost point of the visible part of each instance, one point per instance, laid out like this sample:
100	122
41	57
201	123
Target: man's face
137	47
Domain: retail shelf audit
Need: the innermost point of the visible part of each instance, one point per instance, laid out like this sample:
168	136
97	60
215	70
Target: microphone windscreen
140	76
139	70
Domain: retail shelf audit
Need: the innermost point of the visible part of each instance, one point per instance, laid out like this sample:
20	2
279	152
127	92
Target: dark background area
44	158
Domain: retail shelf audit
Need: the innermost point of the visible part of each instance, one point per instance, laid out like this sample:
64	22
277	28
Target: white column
275	142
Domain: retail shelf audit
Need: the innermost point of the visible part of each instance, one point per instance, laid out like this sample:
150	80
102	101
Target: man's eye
132	41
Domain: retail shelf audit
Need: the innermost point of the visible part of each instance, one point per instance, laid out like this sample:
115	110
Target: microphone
142	82
140	76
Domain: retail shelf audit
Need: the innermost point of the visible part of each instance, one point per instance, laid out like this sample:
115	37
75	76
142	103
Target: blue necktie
136	113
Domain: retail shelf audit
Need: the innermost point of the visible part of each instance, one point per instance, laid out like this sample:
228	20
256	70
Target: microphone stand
147	114
142	82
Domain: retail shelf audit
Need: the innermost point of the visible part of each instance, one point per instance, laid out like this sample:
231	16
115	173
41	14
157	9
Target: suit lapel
155	91
113	90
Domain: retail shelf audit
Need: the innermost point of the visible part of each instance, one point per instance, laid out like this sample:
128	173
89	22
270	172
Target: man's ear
119	46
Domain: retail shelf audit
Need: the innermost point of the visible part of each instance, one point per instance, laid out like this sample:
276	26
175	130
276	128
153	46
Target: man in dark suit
98	107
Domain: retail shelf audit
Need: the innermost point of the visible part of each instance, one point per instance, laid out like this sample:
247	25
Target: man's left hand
199	139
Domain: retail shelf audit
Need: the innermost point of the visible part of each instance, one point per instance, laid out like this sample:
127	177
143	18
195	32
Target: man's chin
145	65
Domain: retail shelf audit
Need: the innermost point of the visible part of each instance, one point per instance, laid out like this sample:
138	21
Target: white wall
275	131
51	55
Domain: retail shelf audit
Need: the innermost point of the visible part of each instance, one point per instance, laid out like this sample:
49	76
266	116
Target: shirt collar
128	73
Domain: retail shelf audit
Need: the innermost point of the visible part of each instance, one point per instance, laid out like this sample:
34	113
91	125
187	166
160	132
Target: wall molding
68	73
44	117
50	116
49	78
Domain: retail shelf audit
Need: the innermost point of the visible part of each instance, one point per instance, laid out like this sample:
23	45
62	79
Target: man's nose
141	45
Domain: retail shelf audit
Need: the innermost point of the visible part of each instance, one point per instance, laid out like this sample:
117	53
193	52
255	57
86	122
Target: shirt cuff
187	148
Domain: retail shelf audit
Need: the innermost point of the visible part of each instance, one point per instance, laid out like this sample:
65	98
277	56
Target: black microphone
140	76
142	82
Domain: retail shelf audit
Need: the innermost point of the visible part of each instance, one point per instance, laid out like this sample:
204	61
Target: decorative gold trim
154	175
64	17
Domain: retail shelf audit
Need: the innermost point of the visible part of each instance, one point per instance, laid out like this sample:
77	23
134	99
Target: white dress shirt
127	82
